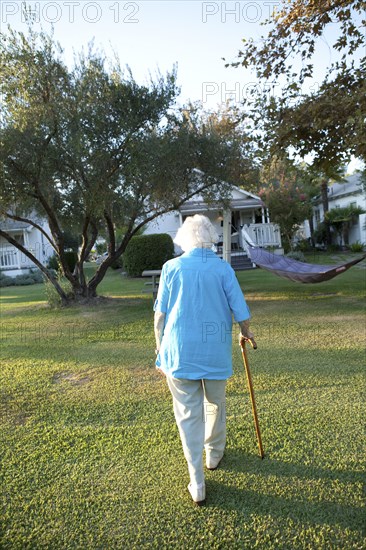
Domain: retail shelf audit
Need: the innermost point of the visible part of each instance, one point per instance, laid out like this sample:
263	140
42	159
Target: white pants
199	410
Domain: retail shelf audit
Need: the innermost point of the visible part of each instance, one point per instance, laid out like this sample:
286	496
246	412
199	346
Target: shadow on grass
239	461
296	507
313	513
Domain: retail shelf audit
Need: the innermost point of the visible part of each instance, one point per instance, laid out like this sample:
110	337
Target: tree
328	123
286	191
242	163
92	151
295	29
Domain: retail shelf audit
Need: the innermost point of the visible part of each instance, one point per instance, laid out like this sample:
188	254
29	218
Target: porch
256	235
243	222
12	260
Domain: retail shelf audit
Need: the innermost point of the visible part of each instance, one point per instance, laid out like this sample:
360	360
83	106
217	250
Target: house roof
6	224
352	185
240	200
235	204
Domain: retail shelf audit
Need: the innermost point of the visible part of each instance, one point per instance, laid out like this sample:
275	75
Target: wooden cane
251	391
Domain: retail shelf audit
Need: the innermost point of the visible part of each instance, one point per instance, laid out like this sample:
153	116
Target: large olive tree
91	150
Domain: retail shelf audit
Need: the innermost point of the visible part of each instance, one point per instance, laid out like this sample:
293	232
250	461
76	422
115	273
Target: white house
12	261
246	219
340	195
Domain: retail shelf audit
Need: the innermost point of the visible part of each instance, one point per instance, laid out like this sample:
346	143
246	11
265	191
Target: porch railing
262	234
11	258
8	258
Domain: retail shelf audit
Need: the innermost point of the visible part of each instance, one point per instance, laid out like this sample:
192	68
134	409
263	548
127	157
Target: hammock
299	272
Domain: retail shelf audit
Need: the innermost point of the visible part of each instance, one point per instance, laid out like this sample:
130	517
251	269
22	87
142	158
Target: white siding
167	223
342	195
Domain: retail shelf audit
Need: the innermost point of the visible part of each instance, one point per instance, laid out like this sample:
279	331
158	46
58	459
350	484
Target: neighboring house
245	220
340	195
12	261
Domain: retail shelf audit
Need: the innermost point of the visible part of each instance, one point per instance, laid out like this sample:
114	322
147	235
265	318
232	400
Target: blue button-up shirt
199	293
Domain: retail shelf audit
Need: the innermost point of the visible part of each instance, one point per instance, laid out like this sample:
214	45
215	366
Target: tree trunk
91	286
325	202
311	227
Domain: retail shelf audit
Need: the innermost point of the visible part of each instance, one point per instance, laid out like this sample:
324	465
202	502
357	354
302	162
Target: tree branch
94	235
111	234
53	223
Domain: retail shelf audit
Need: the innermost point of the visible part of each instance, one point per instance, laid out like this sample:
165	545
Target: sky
150	35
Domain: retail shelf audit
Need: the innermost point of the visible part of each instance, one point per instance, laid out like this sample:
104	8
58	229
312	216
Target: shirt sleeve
161	302
235	296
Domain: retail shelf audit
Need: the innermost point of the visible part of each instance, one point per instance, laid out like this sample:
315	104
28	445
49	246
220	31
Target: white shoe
198	493
212	462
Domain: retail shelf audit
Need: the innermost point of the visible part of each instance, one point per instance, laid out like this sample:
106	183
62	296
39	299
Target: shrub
304	245
296	255
147	252
22	280
36	275
52	296
5	280
357	247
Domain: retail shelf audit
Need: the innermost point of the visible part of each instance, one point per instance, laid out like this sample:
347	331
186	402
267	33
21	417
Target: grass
91	457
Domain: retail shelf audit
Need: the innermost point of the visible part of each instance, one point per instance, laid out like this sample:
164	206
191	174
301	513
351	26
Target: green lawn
91	456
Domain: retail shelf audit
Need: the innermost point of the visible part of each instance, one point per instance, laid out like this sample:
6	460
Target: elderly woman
198	294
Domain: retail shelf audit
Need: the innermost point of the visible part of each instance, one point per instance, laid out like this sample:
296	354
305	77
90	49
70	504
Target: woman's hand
245	333
162	373
248	337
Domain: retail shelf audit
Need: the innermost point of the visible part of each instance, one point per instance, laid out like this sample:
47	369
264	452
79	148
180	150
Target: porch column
267	212
226	240
26	245
17	257
263	215
25	239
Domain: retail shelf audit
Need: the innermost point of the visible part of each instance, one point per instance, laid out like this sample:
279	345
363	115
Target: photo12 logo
70	11
249	92
238	12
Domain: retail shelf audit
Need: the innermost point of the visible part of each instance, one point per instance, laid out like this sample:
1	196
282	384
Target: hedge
34	276
147	252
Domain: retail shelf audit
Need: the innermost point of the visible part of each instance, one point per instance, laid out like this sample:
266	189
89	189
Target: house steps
240	261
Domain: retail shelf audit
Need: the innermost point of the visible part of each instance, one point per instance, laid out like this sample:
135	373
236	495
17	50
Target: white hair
196	232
